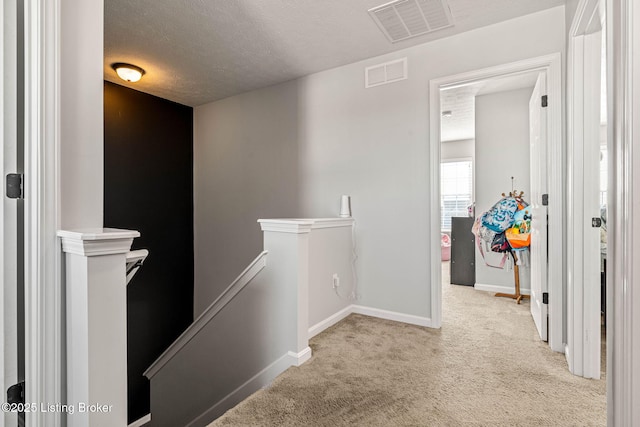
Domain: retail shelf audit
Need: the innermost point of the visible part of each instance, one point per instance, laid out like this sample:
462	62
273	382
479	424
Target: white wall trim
551	65
259	380
567	356
392	315
141	422
498	288
43	283
299	358
331	222
286	225
330	321
243	280
97	242
623	335
368	311
303	225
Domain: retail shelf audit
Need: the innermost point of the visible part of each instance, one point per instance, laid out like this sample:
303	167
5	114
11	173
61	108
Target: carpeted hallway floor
485	367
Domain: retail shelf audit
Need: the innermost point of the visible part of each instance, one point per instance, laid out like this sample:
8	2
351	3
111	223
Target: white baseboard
255	383
329	321
298	359
141	422
367	311
268	374
499	288
391	315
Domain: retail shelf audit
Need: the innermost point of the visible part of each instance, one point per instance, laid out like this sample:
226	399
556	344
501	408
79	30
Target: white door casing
8	208
538	170
42	256
623	237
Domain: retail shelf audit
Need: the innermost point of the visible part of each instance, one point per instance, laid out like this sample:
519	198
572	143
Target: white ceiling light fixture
403	19
127	72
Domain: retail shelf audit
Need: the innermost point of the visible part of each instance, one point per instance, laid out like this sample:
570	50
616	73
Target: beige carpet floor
485	367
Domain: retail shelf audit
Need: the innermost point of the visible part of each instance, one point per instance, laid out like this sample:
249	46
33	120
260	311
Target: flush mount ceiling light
128	72
447	113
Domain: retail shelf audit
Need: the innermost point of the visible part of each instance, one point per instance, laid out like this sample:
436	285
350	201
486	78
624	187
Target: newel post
287	242
96	325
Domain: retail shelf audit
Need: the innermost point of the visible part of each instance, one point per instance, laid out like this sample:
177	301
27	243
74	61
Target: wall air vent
403	19
388	72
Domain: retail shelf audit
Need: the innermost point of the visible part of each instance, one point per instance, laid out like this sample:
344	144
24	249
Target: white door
8	208
591	250
538	166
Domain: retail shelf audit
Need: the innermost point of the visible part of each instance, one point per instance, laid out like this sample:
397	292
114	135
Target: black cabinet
463	253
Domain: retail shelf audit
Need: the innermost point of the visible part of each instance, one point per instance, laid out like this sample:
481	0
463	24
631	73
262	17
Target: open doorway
548	66
486	153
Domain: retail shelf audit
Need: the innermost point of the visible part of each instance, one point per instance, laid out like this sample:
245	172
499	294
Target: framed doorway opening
550	66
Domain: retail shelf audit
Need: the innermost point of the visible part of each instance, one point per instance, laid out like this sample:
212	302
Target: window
456	192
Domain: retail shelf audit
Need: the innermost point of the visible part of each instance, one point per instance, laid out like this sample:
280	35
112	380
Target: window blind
456	190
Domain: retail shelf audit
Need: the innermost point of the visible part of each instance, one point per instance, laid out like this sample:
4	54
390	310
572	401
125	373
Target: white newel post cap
293	226
97	241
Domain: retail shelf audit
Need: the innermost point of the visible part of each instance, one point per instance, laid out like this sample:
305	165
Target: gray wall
502	151
245	168
330	251
370	143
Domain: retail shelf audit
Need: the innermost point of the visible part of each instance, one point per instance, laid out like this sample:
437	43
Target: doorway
503	122
549	66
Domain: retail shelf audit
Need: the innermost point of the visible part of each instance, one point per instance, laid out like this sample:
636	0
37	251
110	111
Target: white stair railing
134	262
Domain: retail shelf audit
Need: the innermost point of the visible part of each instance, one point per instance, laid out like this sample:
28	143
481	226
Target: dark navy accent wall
148	186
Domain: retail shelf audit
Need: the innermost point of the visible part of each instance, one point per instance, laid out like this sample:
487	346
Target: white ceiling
461	102
198	51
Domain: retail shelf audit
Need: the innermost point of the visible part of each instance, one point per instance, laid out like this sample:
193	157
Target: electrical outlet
336	280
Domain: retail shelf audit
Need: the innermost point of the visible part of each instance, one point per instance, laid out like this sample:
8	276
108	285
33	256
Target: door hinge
545	101
14	186
596	222
545	297
15	394
545	200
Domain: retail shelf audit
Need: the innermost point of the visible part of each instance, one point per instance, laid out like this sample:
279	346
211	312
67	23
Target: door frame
44	369
583	110
551	65
623	245
8	209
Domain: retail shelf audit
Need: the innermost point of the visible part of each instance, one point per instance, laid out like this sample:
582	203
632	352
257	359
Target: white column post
96	297
287	242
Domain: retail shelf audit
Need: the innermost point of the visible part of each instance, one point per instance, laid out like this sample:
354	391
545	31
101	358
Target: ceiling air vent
403	19
388	72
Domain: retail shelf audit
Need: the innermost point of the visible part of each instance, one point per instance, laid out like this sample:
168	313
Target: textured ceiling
461	102
198	51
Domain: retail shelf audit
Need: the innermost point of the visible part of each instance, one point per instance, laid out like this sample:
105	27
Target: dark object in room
463	254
